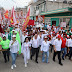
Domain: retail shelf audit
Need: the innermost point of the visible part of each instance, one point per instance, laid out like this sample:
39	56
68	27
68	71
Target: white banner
63	24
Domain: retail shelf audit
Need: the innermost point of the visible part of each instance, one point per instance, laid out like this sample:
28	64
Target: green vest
5	44
9	36
11	28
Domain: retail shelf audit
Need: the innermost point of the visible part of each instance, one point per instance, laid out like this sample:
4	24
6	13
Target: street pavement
33	67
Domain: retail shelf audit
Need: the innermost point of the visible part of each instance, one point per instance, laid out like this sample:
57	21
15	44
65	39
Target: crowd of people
54	39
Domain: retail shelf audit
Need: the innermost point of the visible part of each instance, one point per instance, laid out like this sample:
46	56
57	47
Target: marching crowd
54	39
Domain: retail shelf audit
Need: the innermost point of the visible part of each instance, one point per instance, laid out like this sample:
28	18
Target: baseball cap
4	35
13	30
59	36
14	36
45	37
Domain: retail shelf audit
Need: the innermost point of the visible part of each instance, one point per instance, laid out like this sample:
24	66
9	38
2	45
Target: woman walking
26	50
14	48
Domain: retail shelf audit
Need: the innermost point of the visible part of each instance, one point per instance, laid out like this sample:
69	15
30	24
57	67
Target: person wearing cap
26	50
57	49
5	46
12	33
17	28
18	39
8	34
63	46
68	38
11	28
68	32
45	49
70	47
14	49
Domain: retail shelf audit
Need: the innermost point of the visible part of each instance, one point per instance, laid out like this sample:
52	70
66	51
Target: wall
55	5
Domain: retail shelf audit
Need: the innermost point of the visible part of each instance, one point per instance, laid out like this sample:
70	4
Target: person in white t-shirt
57	49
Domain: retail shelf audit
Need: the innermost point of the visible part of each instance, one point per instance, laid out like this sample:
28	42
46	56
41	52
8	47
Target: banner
31	22
63	24
26	20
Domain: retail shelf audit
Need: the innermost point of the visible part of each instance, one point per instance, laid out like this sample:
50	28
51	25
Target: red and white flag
13	18
26	20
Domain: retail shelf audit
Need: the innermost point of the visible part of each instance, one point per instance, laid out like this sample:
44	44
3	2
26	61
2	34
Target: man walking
35	46
57	49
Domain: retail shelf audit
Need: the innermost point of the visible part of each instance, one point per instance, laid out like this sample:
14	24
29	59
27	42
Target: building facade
52	12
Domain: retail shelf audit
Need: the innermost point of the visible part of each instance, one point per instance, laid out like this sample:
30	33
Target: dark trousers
6	55
35	51
59	55
51	48
70	52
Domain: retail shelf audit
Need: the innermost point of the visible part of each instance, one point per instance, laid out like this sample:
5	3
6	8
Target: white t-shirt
57	44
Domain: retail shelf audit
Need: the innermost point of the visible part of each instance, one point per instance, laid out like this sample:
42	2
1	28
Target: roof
57	11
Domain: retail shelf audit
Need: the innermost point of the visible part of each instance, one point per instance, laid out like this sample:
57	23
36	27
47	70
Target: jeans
64	50
13	55
43	56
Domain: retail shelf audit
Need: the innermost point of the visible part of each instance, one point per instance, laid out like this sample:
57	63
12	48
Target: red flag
13	18
6	14
26	20
31	22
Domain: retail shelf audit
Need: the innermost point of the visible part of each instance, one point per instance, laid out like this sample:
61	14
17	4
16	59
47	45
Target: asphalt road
33	67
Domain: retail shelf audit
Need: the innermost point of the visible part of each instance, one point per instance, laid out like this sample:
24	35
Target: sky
8	4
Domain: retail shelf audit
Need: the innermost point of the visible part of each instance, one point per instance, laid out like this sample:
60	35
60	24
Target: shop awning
56	11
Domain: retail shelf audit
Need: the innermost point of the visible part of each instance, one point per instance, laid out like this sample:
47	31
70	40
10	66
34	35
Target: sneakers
12	67
25	65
